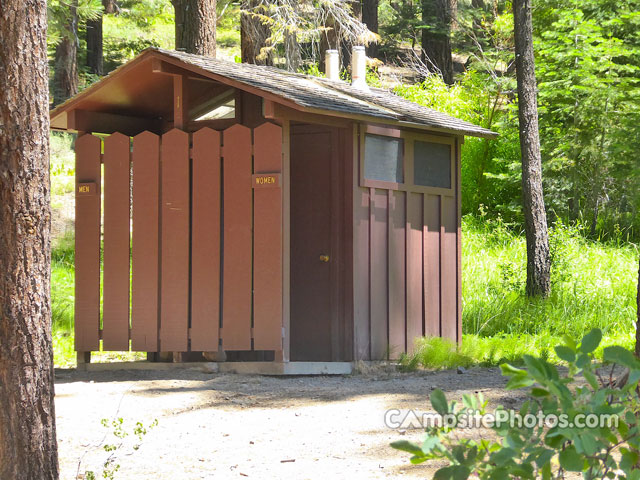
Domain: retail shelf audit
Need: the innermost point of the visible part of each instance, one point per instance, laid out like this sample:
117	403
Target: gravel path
224	426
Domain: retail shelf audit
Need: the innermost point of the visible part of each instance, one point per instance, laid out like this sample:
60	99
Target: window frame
408	163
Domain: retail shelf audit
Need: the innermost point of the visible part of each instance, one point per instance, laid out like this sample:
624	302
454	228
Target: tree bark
538	259
253	36
292	51
345	46
196	26
28	448
370	19
65	78
437	18
95	54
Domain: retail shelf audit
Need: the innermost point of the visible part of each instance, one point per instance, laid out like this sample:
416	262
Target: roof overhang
139	95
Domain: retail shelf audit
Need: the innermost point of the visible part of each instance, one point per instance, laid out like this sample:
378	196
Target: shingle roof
335	96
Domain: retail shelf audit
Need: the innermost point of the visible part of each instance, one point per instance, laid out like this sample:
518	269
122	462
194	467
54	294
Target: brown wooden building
239	208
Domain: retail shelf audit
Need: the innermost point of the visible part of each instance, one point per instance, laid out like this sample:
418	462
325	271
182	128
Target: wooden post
180	102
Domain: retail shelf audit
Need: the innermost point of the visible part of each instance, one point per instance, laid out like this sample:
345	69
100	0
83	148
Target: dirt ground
225	426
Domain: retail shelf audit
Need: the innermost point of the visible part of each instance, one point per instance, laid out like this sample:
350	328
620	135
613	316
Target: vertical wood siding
145	243
407	280
87	257
238	230
117	184
194	263
267	245
205	241
174	299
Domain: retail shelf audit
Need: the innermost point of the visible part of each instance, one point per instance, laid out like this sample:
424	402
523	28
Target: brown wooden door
312	309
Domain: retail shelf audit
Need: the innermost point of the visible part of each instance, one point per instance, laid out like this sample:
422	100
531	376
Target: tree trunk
437	18
538	260
292	51
28	448
196	26
370	19
253	37
95	60
95	56
65	78
345	46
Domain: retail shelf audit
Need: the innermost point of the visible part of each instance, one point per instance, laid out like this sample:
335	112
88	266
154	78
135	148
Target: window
226	109
383	159
432	164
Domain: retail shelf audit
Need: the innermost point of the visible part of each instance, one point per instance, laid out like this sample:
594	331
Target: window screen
383	159
432	164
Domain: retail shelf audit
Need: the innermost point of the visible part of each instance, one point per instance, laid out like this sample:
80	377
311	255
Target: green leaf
545	457
565	353
591	378
519	381
591	341
509	370
628	461
502	456
570	460
589	444
539	392
439	402
429	444
445	473
460	472
408	447
620	355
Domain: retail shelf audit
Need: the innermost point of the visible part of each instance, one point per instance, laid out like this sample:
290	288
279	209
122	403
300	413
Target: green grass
594	285
62	298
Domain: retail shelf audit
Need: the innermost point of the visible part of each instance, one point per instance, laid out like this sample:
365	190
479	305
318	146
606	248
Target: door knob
324	258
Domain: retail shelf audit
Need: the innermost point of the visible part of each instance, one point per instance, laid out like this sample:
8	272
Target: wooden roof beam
107	123
160	66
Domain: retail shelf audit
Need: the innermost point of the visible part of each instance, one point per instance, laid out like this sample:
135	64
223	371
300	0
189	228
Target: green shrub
557	441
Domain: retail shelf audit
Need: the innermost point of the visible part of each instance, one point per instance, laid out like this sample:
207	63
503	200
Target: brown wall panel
87	246
267	248
459	142
115	308
237	272
432	265
174	309
361	307
448	257
397	264
205	241
414	268
145	243
379	283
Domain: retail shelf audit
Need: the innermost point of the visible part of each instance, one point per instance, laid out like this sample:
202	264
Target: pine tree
196	26
28	448
538	258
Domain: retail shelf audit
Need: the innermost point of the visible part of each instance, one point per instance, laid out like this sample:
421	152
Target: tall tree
196	26
95	55
370	19
437	21
253	36
345	43
28	448
538	258
65	78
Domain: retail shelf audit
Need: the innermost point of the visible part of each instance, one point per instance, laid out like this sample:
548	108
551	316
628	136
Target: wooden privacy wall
406	269
191	241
